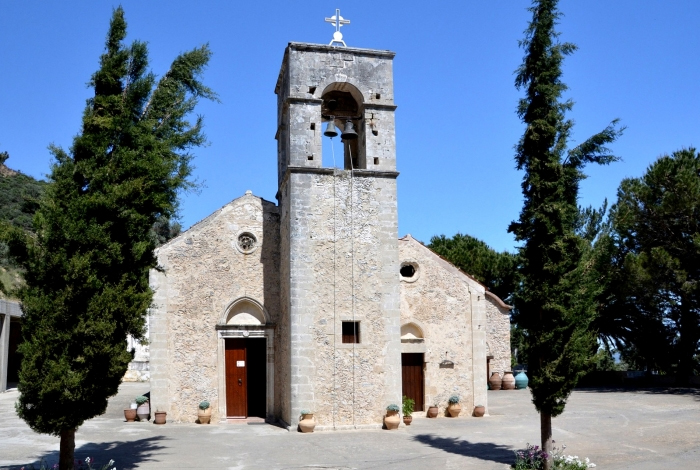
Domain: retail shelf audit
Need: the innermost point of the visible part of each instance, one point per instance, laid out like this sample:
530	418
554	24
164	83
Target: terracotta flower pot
495	381
144	412
130	415
407	420
432	411
454	409
392	420
204	416
479	411
508	382
307	423
159	417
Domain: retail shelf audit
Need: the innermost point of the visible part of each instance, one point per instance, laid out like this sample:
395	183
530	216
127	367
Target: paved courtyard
616	429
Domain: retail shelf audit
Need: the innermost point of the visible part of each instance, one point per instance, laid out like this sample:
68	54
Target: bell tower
340	319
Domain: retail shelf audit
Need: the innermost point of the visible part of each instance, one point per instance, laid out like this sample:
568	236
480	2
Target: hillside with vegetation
19	199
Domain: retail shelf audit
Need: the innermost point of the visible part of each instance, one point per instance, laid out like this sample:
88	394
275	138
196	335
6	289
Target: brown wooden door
236	379
412	378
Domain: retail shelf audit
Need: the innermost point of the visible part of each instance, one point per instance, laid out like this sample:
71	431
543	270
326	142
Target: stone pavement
617	429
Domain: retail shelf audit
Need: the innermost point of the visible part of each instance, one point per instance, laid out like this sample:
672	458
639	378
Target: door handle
240	381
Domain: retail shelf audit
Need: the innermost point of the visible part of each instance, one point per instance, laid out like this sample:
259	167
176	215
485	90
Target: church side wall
498	335
441	301
351	279
204	273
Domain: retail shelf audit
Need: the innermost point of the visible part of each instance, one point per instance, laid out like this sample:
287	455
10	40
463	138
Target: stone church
314	302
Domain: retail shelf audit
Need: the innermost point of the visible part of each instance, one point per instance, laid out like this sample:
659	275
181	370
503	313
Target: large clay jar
508	382
204	415
307	423
479	411
143	412
392	420
495	381
454	409
130	415
432	412
159	417
521	380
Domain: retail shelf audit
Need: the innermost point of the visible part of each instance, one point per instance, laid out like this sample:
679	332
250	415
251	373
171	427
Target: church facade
314	302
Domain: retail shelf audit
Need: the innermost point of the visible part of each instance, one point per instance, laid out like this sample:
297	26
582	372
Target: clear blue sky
456	124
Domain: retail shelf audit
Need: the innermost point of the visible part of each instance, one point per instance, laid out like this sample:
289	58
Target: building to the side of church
314	303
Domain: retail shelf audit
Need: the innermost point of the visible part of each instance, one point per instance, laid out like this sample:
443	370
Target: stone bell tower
339	327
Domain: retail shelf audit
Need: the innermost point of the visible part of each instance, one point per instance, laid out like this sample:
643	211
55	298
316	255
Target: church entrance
412	379
246	377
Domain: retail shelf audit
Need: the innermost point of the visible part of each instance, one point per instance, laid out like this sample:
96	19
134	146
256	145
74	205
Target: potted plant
159	417
130	413
204	412
433	411
392	420
407	409
307	423
454	408
479	411
144	409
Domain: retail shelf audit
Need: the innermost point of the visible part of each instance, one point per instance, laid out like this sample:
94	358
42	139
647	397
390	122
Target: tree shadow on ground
126	454
479	450
687	391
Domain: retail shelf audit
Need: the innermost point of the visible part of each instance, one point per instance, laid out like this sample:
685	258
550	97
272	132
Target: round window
409	271
246	242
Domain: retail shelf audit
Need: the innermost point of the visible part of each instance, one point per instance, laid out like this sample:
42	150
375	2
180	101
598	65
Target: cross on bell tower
337	21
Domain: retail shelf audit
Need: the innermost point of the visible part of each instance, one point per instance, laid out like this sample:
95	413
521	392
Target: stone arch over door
246	318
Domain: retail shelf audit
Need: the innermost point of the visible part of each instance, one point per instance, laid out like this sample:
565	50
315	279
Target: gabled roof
454	268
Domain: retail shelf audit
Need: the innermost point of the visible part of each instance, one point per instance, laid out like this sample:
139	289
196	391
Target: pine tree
555	300
87	266
652	308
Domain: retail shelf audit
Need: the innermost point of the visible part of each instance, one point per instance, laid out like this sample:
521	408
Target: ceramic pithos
454	409
144	412
479	411
130	415
508	382
392	420
432	412
159	417
521	380
204	416
307	423
495	381
407	420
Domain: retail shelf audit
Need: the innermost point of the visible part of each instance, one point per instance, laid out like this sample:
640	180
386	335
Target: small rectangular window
351	332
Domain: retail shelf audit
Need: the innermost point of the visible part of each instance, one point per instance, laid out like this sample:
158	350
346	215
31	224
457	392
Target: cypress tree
555	300
87	265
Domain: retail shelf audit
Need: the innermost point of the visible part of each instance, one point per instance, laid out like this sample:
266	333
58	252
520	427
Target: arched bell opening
342	110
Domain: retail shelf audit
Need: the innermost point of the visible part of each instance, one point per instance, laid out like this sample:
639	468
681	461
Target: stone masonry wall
203	272
498	334
438	299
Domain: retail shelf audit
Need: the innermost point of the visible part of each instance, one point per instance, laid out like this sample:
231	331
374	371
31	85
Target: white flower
112	461
87	460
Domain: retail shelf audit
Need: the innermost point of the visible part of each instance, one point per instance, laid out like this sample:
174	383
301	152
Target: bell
331	131
349	133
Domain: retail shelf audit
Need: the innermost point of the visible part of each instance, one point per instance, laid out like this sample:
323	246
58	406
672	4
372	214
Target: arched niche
411	332
343	103
245	312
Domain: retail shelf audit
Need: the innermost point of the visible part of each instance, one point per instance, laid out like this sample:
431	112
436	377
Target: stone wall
448	306
498	333
203	272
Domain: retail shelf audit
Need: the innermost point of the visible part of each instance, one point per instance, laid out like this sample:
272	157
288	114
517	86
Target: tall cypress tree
87	267
555	300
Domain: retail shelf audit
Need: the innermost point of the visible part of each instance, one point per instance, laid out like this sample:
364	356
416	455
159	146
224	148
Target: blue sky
456	124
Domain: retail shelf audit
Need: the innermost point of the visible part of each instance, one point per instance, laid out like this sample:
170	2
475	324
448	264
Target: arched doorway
413	364
246	356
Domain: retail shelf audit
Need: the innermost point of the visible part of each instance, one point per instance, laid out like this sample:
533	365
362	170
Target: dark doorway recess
246	377
412	379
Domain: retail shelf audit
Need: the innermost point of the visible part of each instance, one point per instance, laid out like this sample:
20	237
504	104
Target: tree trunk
689	341
546	437
67	455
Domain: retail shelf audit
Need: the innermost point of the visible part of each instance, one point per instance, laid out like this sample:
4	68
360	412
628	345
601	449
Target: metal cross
337	21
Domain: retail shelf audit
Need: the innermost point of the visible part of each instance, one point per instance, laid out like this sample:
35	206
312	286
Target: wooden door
412	378
236	379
